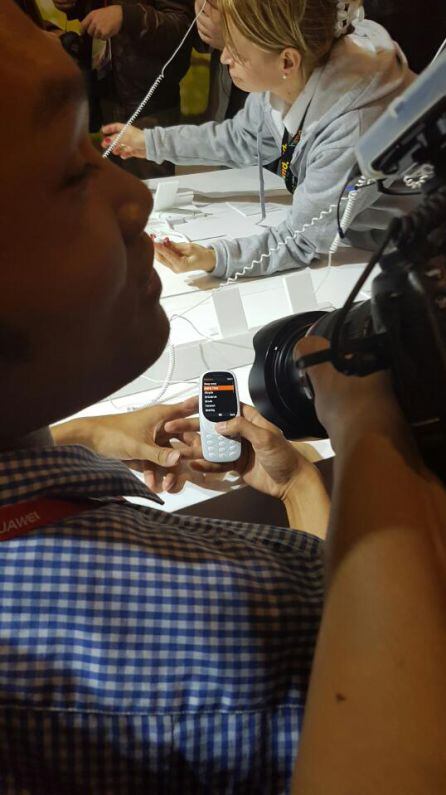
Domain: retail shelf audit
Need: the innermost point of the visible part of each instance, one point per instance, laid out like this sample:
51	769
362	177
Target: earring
284	77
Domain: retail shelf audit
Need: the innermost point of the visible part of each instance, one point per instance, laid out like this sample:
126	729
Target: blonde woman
319	75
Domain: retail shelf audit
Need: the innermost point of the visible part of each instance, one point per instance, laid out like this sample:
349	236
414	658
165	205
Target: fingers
252	415
190	447
88	24
182	425
119	150
257	436
162	456
110	132
175	411
111	129
158	481
312	344
201	465
169	257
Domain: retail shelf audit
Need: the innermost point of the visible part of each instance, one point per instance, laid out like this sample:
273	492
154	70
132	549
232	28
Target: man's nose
134	211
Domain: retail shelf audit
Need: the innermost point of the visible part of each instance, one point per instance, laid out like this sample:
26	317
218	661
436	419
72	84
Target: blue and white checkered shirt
144	652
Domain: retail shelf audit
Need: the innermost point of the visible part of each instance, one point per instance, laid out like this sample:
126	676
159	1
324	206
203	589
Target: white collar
291	117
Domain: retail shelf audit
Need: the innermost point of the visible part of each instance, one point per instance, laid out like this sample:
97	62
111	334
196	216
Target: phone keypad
221	448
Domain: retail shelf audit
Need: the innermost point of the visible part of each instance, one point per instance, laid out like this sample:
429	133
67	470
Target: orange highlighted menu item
218	388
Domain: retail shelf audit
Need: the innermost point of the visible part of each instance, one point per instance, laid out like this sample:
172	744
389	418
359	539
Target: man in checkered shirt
147	653
140	652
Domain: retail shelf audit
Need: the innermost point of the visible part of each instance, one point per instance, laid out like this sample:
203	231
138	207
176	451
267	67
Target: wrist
306	477
307	502
74	432
210	260
384	422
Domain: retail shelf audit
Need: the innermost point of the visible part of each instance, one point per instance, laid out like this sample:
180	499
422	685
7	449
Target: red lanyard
23	517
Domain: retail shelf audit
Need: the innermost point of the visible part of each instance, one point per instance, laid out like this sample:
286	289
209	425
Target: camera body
403	327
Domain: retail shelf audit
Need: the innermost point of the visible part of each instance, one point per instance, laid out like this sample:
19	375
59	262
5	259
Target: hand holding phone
219	402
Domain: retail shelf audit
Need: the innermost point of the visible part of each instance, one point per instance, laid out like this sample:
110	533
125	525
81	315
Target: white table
264	300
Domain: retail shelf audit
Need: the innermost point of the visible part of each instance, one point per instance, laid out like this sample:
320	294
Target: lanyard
23	517
288	147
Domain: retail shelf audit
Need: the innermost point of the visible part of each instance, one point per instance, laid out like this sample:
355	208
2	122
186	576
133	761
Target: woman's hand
184	257
132	144
138	438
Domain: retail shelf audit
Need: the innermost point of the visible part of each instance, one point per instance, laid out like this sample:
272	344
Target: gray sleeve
232	143
308	230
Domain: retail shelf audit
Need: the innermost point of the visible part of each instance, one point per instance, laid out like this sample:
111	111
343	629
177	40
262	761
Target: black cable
336	354
382	189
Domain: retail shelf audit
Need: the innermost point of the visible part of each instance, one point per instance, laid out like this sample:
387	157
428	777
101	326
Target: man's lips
149	281
153	285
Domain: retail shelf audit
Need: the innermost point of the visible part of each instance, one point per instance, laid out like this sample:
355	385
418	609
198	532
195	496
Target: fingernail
221	427
172	458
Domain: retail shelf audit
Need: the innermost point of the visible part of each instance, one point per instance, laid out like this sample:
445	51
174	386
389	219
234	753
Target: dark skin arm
374	719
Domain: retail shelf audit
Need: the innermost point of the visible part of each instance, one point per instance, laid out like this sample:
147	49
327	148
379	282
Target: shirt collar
292	117
68	471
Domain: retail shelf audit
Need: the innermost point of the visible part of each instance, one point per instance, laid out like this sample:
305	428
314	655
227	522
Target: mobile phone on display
219	402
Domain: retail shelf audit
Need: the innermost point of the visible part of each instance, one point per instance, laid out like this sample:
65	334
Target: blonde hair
305	25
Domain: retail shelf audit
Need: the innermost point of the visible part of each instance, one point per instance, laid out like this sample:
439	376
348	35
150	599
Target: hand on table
138	438
132	144
209	24
103	23
184	257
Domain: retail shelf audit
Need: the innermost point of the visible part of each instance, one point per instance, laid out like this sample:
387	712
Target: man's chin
154	341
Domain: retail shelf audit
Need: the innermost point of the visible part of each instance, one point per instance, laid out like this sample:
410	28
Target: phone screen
219	396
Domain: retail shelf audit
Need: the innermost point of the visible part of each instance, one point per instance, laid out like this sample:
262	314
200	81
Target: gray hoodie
365	71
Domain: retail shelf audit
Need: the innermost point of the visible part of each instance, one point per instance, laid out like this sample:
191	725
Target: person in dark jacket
142	36
419	27
225	98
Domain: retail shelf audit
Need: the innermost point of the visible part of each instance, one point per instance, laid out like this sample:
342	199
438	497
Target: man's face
79	300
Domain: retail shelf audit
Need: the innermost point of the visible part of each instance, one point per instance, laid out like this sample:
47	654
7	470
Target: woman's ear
291	61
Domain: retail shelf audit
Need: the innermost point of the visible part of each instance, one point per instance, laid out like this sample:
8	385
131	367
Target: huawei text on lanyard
288	147
23	517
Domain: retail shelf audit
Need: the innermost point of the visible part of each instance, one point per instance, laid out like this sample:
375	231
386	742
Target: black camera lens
277	387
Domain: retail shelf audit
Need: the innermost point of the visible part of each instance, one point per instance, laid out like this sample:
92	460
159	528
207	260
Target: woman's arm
232	143
374	720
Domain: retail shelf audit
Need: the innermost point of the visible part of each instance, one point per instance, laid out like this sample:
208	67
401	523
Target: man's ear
291	61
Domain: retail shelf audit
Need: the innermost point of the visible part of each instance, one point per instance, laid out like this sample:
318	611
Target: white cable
265	255
347	215
153	87
182	316
419	176
166	383
281	243
439	51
